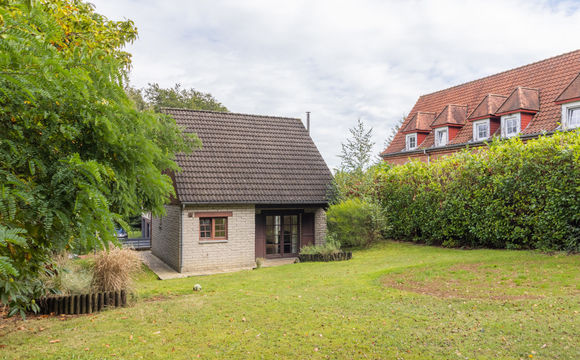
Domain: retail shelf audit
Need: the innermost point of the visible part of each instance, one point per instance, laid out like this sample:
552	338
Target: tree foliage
75	154
155	97
355	155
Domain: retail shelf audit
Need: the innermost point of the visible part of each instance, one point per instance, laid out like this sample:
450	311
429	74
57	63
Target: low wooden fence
82	304
327	257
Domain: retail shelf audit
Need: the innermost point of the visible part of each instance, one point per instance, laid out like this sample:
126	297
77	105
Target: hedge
510	194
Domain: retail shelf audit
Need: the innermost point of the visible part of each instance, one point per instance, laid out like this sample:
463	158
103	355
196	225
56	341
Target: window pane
574	117
482	131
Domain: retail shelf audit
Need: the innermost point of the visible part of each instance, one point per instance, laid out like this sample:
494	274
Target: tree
356	152
394	130
75	154
156	97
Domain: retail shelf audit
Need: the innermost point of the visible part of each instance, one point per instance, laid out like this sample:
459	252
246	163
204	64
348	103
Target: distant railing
137	243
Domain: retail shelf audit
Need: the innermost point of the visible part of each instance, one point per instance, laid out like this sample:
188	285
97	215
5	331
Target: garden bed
339	256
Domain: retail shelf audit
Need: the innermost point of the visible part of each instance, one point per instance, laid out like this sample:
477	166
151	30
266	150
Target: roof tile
249	159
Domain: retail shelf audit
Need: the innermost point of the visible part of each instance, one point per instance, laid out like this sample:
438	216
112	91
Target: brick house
257	189
528	101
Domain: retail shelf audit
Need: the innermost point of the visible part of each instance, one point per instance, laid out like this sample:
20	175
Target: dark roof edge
230	113
474	144
254	203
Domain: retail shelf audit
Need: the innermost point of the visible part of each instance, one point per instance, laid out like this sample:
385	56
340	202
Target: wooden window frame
204	215
567	110
476	125
212	233
408	138
440	131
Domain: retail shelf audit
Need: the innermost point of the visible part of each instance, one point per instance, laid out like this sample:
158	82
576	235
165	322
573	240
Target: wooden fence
326	257
82	304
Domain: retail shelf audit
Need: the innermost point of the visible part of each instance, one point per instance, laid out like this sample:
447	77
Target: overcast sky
341	60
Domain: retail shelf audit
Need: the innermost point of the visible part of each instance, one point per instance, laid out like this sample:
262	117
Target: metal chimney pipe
308	121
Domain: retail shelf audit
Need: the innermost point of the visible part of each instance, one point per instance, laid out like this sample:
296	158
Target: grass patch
333	310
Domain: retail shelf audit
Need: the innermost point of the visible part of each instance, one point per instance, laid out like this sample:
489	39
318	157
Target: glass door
282	236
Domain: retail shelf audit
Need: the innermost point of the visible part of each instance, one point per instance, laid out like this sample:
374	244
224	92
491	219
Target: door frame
282	213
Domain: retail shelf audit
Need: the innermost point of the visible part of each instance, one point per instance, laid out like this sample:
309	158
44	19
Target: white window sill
213	241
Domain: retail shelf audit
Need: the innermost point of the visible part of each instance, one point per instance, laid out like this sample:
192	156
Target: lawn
394	301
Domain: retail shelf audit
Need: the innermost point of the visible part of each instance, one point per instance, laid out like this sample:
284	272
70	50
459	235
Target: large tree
75	154
155	97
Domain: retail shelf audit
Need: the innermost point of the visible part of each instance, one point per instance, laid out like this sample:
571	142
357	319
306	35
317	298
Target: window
441	136
215	228
411	141
571	115
481	130
510	125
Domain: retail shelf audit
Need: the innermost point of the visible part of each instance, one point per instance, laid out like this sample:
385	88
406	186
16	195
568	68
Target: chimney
308	121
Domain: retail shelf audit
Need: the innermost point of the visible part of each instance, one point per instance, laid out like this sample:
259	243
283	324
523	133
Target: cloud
341	60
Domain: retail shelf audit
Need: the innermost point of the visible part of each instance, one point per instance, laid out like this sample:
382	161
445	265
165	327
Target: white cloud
341	60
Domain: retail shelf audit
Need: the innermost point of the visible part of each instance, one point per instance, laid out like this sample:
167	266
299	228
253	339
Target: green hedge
510	195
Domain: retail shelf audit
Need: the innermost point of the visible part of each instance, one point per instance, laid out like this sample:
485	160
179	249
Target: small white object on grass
196	287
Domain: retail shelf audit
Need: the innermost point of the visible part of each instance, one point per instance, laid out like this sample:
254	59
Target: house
257	189
528	101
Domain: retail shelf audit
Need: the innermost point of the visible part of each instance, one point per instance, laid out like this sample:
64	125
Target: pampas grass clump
114	269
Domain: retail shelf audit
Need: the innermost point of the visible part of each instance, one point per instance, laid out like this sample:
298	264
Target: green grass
393	301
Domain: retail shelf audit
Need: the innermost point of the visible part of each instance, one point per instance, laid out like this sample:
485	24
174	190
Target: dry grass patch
473	281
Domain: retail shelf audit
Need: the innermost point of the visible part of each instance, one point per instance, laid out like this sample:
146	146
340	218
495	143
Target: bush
356	222
331	246
114	269
511	195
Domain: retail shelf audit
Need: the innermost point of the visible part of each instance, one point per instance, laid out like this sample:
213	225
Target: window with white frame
441	136
411	141
481	130
510	125
571	115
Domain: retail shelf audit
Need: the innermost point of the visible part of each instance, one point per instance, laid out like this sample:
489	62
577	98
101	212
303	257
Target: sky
340	60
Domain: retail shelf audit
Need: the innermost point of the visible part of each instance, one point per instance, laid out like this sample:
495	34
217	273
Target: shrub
356	222
510	195
330	246
114	269
69	276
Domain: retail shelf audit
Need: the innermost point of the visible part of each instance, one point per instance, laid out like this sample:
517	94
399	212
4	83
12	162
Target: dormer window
441	136
411	141
481	130
510	125
571	115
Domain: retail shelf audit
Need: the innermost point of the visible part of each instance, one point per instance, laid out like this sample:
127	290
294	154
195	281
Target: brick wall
165	236
238	252
320	226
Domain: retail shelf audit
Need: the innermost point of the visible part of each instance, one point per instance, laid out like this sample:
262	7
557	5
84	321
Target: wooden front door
282	235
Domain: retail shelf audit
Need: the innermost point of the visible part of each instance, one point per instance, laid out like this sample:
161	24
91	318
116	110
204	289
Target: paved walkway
165	272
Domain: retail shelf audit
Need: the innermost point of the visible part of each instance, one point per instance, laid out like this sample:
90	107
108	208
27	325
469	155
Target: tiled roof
550	76
451	115
249	159
487	107
572	91
521	99
420	122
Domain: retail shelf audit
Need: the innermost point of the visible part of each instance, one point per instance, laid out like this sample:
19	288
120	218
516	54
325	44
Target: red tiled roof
551	77
420	122
454	115
487	107
521	99
572	91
